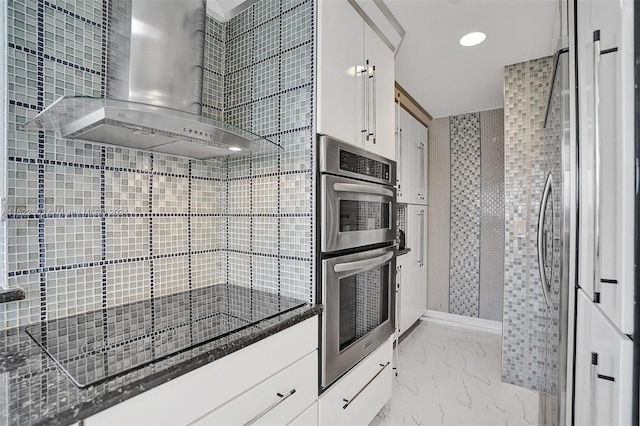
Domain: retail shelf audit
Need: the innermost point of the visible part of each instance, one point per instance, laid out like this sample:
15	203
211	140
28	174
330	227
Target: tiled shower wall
525	318
466	215
91	226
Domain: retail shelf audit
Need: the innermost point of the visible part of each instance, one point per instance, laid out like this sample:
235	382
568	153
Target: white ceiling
448	79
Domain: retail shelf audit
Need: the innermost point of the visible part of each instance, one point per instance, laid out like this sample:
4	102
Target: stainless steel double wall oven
357	263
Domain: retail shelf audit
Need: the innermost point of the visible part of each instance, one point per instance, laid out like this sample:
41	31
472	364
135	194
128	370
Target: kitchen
156	275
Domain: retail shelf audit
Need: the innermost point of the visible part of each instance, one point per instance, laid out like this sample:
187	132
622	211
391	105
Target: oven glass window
364	215
364	303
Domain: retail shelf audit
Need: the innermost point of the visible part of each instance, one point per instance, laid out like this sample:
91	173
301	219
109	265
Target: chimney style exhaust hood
155	54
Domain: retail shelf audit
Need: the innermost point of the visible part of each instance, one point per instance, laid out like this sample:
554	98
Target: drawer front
192	395
366	388
275	401
308	417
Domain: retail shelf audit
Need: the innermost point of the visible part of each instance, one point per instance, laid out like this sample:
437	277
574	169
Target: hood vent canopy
153	78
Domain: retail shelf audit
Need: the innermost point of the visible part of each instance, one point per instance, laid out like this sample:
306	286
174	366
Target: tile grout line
151	263
189	247
279	165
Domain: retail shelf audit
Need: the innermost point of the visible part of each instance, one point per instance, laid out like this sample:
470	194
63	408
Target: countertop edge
110	399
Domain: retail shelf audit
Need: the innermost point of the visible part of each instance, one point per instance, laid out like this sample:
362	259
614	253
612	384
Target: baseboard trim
477	324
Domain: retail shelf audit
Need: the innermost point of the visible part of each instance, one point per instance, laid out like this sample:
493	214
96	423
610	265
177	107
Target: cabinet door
403	296
341	72
604	368
423	137
421	281
404	173
605	73
380	108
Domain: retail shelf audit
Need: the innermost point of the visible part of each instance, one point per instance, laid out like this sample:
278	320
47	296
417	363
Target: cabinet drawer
367	387
308	417
193	395
275	401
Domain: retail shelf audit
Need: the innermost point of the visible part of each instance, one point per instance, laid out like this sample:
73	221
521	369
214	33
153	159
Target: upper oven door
355	213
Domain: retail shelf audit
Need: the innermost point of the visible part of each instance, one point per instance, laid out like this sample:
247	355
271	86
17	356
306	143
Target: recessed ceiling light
234	148
472	39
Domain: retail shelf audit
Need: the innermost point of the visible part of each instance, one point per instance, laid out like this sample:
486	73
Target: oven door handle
364	189
363	264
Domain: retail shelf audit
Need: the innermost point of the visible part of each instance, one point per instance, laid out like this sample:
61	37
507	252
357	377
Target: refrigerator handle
596	166
541	251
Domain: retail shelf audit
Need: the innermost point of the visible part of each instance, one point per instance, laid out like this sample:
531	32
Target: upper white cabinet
606	120
412	143
604	362
355	80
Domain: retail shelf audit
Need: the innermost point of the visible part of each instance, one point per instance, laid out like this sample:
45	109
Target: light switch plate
520	228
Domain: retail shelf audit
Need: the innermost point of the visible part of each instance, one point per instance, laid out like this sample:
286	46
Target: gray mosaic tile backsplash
525	324
466	223
93	226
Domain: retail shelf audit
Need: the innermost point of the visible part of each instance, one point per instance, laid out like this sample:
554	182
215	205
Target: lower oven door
359	298
355	213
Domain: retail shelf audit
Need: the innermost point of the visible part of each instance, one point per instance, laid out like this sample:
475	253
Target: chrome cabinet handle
365	104
397	324
422	171
361	188
596	172
541	253
421	260
271	407
349	401
374	130
363	264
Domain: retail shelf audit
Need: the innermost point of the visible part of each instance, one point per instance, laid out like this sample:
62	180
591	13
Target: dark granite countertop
155	338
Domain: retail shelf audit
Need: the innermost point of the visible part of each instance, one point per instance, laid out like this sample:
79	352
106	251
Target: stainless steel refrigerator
554	239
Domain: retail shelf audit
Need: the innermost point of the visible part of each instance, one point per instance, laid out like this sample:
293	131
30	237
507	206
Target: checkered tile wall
91	226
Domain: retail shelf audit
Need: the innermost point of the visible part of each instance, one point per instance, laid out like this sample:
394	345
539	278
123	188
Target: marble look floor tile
451	376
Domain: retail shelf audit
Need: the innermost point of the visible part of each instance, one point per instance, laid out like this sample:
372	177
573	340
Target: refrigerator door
553	244
604	366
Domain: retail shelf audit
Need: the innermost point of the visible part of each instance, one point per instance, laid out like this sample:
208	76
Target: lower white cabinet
308	417
233	389
358	396
604	368
412	269
276	401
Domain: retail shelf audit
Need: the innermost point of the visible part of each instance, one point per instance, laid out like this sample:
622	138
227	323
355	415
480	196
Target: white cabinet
308	417
412	142
355	80
412	271
276	401
341	72
405	294
604	366
254	375
380	103
358	396
606	129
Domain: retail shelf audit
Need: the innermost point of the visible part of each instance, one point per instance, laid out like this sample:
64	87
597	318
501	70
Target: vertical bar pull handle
597	166
365	105
374	130
541	247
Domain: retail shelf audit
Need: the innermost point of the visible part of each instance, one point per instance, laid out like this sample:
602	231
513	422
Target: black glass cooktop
99	345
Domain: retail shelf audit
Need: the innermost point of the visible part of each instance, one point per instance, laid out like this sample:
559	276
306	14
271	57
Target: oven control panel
359	164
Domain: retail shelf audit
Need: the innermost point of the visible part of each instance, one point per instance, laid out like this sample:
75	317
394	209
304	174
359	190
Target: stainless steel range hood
155	53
